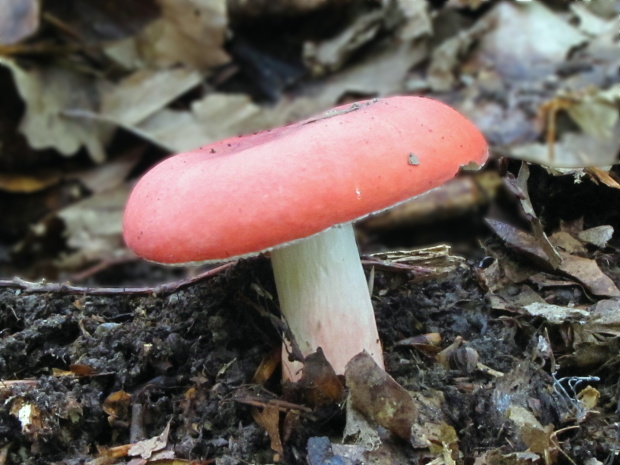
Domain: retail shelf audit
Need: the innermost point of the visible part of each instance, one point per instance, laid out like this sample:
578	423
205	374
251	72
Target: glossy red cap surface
251	193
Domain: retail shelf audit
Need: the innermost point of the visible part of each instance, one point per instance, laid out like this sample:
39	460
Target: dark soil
184	357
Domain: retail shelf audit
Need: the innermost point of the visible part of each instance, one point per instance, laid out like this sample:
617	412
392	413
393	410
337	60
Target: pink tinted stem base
324	299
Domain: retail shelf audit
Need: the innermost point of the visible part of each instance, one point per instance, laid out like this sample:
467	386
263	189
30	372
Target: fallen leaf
190	33
446	58
595	115
147	447
218	115
109	176
93	228
584	270
588	273
556	314
598	236
19	19
47	92
444	444
567	243
604	318
359	428
268	366
520	240
269	419
144	92
116	405
412	19
379	397
539	40
550	251
572	150
536	437
589	397
319	383
590	354
330	55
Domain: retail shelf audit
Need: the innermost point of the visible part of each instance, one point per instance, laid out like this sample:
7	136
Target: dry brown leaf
446	58
598	236
18	20
588	273
567	243
572	150
520	240
269	419
589	397
319	383
110	175
595	113
506	300
556	314
268	366
533	54
431	420
330	55
379	397
218	115
145	92
605	318
541	237
584	270
116	405
148	447
409	19
591	353
536	437
93	228
50	91
444	444
190	33
360	429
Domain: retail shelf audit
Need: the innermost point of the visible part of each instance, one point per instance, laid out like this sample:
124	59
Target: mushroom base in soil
295	190
324	299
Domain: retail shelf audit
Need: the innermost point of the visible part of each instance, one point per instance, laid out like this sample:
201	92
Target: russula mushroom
295	191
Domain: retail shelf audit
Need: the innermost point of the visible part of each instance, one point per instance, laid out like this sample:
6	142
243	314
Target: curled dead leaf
379	397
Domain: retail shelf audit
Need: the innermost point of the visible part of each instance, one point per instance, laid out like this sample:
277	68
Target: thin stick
66	288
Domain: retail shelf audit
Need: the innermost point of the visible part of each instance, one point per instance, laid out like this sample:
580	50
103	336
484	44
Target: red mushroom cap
251	193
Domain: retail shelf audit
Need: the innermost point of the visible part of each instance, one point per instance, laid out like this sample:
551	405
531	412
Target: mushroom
295	191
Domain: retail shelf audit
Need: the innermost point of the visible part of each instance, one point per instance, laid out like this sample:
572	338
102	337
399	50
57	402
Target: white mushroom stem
324	298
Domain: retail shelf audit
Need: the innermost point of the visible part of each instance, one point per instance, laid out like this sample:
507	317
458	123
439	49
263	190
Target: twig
66	288
396	267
